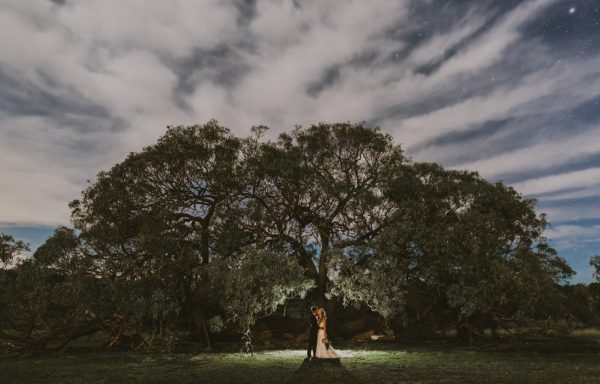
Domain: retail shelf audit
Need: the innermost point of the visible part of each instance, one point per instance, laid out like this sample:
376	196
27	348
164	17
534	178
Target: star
572	10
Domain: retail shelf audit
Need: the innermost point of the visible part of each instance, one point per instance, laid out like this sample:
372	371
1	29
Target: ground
567	360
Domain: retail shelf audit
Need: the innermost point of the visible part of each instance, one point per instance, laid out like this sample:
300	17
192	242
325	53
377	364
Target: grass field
571	360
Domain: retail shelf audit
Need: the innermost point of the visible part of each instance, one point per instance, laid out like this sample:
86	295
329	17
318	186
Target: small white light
572	10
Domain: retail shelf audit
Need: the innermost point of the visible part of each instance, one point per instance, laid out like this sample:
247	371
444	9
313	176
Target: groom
314	328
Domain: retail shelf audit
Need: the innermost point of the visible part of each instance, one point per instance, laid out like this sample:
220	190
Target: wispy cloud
577	193
572	212
568	180
547	153
574	231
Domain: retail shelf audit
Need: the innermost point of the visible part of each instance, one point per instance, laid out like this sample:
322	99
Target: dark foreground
572	360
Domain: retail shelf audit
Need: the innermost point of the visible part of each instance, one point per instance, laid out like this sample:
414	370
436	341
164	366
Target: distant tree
47	298
578	305
594	293
595	263
60	250
10	248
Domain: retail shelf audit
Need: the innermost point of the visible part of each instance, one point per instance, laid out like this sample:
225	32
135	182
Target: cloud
563	213
84	83
543	155
568	180
577	193
485	51
81	85
41	177
489	47
571	232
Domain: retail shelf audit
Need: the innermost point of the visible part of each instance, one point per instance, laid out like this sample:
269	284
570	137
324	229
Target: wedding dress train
322	351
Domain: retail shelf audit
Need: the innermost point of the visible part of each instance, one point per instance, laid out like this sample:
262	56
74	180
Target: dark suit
312	337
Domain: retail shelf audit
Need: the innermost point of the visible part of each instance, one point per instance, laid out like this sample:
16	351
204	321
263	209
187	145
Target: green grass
572	360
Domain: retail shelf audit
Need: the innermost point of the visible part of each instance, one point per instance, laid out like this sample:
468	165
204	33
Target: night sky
508	88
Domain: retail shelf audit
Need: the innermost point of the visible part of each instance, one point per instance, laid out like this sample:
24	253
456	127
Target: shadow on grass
322	371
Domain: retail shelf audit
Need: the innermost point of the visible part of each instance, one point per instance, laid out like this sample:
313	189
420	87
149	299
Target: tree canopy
10	248
206	230
457	243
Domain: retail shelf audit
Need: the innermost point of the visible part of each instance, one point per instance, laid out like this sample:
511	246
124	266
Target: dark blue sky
508	88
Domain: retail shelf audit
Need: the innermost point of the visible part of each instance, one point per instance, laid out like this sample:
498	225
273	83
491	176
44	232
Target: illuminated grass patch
552	363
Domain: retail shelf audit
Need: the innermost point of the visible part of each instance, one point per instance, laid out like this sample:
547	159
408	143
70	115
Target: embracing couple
318	342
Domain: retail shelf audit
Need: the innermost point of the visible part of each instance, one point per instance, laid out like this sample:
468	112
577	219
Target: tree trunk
463	330
323	258
203	296
307	261
204	237
204	325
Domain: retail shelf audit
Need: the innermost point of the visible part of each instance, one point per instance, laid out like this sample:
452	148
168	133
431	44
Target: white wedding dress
322	351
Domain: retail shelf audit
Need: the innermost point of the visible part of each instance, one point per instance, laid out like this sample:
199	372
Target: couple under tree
318	342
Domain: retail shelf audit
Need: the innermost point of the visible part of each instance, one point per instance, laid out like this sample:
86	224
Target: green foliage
46	299
375	284
256	282
10	248
157	222
595	263
476	247
321	189
204	229
153	219
216	324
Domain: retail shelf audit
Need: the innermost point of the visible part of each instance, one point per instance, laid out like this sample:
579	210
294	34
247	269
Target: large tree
153	215
457	244
157	220
320	190
203	227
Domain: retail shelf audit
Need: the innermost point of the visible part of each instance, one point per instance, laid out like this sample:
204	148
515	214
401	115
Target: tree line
204	230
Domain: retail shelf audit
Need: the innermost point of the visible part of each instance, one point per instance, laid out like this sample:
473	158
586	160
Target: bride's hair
324	314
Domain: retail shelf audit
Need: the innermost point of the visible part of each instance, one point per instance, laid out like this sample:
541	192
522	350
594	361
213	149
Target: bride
324	349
